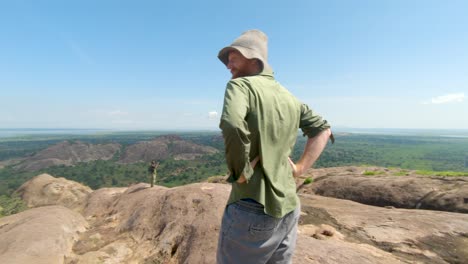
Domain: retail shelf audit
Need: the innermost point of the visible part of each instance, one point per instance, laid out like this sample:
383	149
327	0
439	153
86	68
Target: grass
372	173
442	173
401	173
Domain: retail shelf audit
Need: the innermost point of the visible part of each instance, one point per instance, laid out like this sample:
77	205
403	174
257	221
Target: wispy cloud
446	99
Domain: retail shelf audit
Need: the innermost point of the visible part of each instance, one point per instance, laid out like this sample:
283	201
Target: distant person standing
260	122
152	170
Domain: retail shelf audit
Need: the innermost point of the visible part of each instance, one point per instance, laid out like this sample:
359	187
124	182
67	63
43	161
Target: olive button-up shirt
261	118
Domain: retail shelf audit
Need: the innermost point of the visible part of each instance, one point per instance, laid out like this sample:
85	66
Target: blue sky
153	65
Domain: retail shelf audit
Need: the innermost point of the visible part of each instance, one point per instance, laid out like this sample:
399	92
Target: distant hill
68	153
162	148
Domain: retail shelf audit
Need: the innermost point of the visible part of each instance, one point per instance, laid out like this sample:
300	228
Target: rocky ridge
162	148
71	153
68	153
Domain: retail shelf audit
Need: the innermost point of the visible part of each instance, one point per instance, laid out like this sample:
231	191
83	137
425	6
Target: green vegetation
442	173
10	180
308	180
100	173
406	152
435	155
401	173
372	173
11	205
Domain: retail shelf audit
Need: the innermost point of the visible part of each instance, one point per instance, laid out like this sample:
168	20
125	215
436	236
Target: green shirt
261	118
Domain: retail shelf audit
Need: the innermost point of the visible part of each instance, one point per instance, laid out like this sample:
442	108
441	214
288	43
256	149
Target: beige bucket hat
252	44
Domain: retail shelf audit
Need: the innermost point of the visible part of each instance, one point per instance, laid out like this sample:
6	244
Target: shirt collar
267	73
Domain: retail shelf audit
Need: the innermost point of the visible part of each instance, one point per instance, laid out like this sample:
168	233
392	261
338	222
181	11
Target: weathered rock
386	189
40	235
100	202
312	251
140	224
153	225
47	190
410	235
68	154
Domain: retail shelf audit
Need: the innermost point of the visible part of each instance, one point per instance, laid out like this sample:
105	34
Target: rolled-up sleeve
236	131
311	123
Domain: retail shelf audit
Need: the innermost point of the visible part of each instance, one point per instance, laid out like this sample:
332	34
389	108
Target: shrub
308	180
11	205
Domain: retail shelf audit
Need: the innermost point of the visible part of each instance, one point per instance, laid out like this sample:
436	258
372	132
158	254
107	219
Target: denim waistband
250	205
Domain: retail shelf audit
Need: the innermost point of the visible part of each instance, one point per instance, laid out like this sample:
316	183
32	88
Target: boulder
40	235
100	202
384	188
45	190
421	236
152	225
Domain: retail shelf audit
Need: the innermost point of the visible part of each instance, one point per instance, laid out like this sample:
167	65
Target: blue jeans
248	235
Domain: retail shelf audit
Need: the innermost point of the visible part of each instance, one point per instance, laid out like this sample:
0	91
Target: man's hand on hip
253	163
296	168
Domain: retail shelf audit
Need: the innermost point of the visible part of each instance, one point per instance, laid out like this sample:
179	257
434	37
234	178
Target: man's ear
257	64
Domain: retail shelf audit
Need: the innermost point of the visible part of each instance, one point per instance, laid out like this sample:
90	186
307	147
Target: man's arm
312	151
236	132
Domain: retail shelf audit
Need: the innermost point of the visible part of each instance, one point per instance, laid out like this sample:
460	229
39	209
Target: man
260	121
152	170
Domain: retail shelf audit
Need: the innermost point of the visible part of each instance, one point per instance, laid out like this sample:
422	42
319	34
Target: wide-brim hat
252	44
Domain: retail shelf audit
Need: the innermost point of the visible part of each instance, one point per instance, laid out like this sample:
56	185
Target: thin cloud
447	99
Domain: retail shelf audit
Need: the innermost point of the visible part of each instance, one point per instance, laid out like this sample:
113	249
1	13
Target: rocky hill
68	154
164	147
139	224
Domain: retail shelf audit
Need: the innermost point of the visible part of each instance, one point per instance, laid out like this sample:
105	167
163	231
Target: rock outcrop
411	236
153	225
68	154
140	224
45	190
41	235
162	148
383	188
